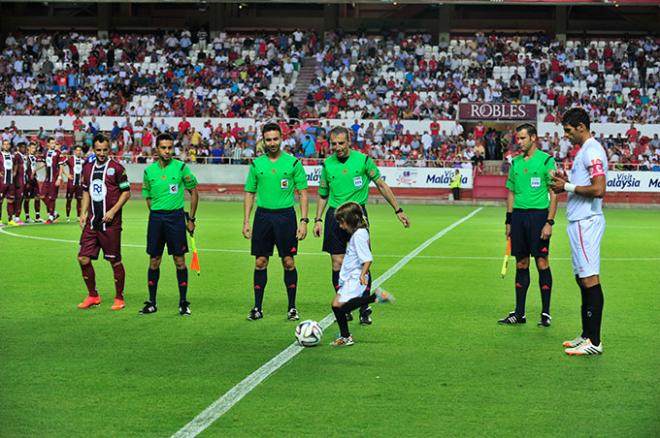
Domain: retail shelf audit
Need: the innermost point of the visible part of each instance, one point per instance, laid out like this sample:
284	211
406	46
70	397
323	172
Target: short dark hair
165	136
574	116
352	214
271	126
100	138
339	130
49	139
78	146
531	129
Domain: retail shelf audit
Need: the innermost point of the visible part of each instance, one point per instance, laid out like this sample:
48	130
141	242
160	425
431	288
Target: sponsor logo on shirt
535	182
357	181
174	189
284	184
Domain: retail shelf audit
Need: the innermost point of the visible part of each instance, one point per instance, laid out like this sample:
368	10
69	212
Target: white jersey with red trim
590	161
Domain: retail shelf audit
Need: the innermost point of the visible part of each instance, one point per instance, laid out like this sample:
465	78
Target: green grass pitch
434	364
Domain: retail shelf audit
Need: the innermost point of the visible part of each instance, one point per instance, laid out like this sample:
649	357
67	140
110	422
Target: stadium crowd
169	74
392	76
404	76
388	142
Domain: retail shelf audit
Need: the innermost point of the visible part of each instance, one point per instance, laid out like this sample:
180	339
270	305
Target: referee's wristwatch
304	219
192	219
550	221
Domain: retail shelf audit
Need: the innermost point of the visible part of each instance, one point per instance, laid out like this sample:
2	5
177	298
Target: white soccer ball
309	333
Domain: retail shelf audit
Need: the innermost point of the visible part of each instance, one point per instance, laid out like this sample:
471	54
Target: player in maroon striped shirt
7	187
105	191
49	189
73	167
21	165
32	188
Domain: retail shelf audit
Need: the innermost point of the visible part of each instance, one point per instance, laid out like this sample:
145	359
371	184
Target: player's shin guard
335	280
260	280
89	276
340	316
120	278
595	303
522	284
545	284
182	280
152	280
291	283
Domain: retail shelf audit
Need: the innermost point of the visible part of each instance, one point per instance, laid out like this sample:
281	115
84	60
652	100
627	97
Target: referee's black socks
260	279
545	284
152	276
594	313
522	284
291	284
182	280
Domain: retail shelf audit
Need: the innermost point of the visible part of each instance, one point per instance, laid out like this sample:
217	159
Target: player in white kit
586	225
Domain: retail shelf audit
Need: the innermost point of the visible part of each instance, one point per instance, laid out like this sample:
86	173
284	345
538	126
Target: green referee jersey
347	181
530	179
274	181
165	186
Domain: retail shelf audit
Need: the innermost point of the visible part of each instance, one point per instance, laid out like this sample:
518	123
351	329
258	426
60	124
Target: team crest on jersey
97	190
111	171
535	182
357	181
284	184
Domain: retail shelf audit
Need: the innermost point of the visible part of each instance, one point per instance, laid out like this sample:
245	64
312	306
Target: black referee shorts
274	228
526	227
335	239
166	226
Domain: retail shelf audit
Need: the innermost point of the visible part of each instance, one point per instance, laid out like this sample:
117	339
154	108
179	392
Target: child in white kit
354	273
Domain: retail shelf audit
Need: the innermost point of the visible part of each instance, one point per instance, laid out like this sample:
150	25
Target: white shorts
350	289
584	236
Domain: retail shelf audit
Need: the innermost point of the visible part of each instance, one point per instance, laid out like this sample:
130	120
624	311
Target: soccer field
434	364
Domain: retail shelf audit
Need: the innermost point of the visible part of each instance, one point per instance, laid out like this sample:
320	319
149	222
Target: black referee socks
260	279
522	284
545	284
182	280
153	275
291	284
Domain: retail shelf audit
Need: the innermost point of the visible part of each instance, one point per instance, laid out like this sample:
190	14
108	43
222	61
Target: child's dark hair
352	214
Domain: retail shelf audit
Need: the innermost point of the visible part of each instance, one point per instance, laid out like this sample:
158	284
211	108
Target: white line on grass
322	254
234	395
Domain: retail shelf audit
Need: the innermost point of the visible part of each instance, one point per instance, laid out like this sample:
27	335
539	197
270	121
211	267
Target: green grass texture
433	364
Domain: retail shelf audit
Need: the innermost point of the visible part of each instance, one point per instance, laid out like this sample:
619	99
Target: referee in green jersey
273	179
163	188
345	176
531	206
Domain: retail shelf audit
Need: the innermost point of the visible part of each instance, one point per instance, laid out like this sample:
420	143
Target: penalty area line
219	407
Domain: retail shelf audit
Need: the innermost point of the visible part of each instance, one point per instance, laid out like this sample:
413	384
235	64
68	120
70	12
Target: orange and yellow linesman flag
505	262
194	263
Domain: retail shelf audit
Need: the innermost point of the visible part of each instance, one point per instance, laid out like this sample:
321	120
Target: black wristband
192	219
304	219
508	218
550	221
400	210
317	220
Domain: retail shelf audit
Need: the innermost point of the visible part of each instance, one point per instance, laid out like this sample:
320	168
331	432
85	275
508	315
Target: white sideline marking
209	415
322	254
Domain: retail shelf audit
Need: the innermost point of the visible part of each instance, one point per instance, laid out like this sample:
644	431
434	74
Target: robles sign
496	111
